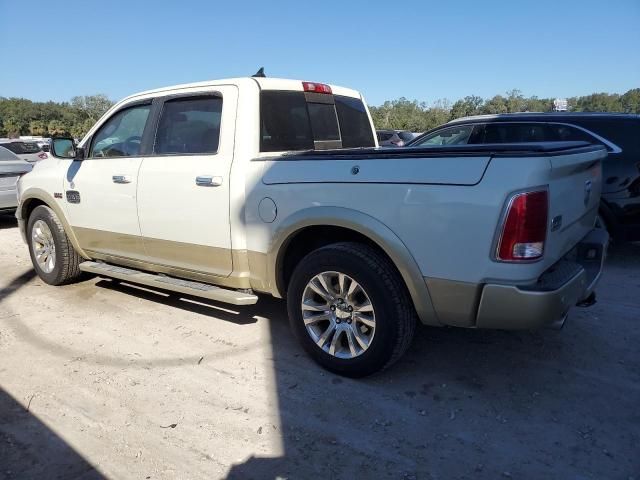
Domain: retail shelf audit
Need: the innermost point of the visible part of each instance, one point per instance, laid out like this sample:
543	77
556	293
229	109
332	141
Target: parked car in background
405	135
393	138
11	168
27	150
619	210
44	144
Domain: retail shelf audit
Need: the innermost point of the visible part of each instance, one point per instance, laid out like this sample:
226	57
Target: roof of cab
264	83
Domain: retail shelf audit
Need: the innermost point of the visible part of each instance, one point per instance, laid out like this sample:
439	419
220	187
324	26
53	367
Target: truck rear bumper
547	302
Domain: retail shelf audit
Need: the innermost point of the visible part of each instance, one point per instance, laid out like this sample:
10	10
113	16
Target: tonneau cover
489	149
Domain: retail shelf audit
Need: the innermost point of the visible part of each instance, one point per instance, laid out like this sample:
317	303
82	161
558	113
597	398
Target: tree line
19	116
403	114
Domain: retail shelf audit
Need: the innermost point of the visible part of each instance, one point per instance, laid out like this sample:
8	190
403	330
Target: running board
197	289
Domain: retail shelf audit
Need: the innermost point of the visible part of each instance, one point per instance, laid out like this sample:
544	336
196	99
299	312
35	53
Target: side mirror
65	147
45	147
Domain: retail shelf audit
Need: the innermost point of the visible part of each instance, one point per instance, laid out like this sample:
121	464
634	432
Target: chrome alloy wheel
44	247
338	315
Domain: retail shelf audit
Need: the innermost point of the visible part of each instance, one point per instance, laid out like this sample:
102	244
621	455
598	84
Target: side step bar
197	289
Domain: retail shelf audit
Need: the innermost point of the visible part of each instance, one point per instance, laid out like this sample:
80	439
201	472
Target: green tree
38	127
599	102
12	127
78	130
515	101
497	104
470	105
58	127
91	106
535	104
630	101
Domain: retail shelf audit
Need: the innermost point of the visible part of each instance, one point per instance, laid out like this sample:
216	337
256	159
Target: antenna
259	73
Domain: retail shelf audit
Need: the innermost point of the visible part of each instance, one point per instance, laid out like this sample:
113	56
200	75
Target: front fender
43	197
366	225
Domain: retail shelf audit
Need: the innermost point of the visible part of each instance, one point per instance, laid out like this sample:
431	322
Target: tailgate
575	185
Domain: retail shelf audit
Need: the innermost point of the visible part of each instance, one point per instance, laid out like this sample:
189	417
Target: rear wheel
52	254
350	310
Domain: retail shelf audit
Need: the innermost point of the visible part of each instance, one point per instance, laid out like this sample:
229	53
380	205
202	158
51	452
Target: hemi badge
57	195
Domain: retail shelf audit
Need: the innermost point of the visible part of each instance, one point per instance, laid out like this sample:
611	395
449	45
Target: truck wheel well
29	206
309	239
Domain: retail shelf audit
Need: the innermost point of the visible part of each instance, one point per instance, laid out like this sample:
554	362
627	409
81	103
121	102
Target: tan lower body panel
455	303
218	266
110	243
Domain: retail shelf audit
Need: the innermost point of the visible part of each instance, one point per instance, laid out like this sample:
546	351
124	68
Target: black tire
66	266
395	314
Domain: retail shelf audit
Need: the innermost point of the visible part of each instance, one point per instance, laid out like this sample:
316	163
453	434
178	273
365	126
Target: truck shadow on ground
466	403
29	445
525	403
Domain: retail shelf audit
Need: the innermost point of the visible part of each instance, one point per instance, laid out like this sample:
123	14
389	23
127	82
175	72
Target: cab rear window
290	122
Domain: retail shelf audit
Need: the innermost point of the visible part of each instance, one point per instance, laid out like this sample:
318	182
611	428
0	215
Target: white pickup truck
233	188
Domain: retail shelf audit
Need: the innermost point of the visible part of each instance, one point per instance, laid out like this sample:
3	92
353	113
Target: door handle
208	181
121	179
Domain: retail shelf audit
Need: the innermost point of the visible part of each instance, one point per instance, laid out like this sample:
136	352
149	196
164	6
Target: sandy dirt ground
101	379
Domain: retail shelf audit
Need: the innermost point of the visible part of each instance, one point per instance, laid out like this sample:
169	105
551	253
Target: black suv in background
618	132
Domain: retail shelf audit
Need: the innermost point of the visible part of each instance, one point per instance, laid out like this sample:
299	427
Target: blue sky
422	50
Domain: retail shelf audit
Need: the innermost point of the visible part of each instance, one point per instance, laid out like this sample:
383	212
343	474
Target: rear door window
568	133
514	133
22	147
291	121
13	147
6	154
189	126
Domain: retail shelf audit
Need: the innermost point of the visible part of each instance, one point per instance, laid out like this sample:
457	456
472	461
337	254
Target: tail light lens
525	227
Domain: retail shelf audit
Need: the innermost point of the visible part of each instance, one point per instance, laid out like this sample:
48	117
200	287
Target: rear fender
366	225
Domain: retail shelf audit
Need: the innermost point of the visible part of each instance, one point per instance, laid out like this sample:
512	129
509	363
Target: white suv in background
11	168
27	150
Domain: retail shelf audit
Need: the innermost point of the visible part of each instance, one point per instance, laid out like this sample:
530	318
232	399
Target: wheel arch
303	227
33	198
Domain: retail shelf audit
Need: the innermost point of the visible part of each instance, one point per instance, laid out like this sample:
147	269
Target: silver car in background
28	150
11	169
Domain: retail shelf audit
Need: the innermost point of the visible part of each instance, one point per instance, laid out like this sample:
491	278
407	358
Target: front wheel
350	309
53	257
